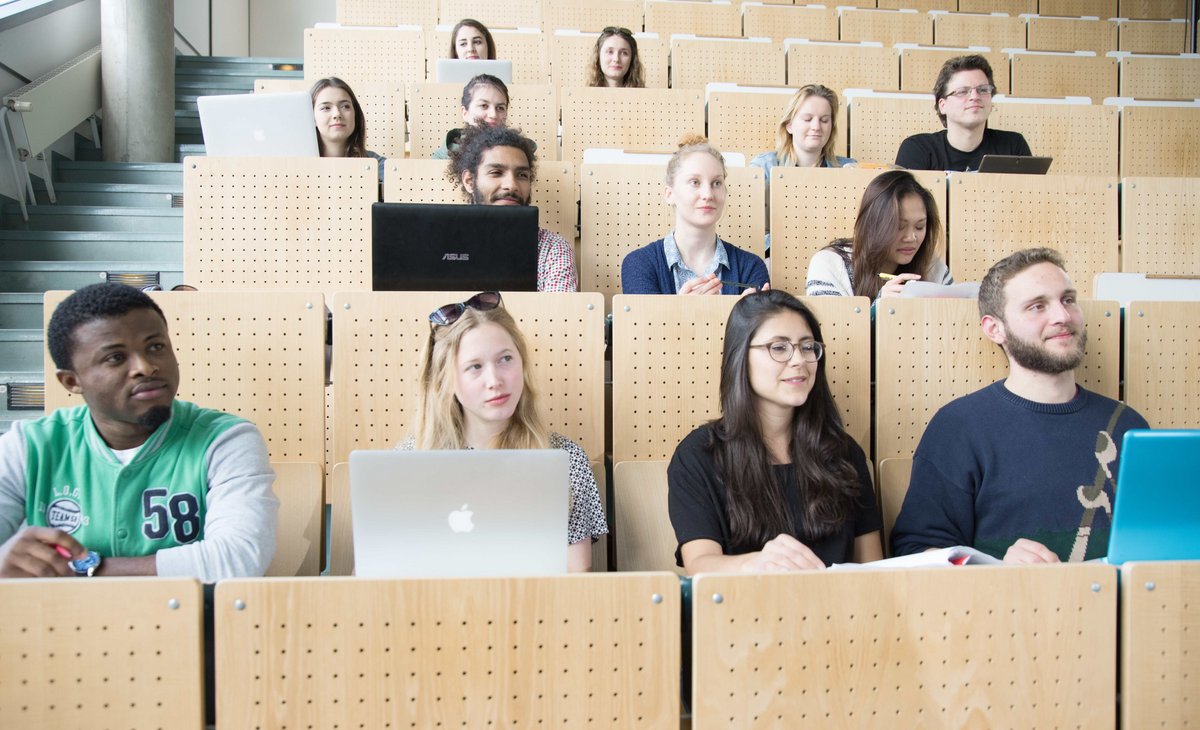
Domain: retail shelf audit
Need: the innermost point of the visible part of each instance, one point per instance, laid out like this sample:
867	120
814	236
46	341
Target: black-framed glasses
983	90
449	313
781	350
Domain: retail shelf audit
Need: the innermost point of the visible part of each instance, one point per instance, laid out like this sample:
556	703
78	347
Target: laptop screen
435	247
1156	515
258	125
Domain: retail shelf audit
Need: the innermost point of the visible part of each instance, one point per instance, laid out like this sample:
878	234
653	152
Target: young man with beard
134	482
496	166
1025	469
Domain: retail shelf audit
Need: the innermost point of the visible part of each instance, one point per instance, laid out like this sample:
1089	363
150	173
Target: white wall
277	26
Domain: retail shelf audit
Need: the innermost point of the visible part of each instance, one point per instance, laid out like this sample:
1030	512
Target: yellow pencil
886	277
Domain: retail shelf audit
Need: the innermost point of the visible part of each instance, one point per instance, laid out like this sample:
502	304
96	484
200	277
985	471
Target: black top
697	503
932	151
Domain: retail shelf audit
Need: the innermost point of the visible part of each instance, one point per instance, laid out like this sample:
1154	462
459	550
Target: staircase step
112	194
20	310
242	75
21	349
141	173
189	137
205	85
16	245
92	218
264	63
42	276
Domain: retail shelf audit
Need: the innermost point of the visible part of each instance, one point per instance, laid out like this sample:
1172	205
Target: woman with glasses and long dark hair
615	60
476	392
775	483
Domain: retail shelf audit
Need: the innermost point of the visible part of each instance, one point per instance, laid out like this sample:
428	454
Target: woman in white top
896	236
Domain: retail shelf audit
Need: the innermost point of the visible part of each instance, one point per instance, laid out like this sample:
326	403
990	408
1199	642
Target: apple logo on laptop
260	136
460	520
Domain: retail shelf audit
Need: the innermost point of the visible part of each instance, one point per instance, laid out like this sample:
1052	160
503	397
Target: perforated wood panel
493	13
258	355
1157	9
437	108
993	215
971	29
667	368
1160	644
117	652
1162	347
383	107
301	519
1152	36
1160	78
1159	140
644	537
571	58
528	51
278	222
1037	75
635	119
1098	8
697	18
796	234
1072	34
886	26
1083	140
879	124
698	61
379	342
748	122
591	15
787	21
274	86
842	67
1160	225
387	12
892	485
622	208
922	6
931	351
1011	7
364	55
919	67
981	647
565	651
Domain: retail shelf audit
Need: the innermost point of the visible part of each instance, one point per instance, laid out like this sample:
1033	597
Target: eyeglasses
448	314
983	90
781	350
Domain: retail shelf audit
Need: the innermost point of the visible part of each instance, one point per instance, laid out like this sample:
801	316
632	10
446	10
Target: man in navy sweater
1024	469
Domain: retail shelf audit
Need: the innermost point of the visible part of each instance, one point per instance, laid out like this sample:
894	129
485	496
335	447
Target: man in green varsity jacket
134	482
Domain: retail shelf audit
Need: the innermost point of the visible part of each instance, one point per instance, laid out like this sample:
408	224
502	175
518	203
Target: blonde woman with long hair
477	393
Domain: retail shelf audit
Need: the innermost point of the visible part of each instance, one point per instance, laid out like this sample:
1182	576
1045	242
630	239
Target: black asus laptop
435	247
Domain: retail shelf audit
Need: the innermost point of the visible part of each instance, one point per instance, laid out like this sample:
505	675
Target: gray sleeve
241	513
12	481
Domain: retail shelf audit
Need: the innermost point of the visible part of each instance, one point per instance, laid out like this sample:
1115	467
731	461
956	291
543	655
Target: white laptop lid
462	70
258	125
493	512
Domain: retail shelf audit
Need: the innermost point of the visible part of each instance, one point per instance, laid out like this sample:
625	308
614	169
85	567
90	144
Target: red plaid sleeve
556	263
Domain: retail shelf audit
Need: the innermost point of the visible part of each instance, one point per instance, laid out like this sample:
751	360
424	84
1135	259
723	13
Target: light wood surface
919	68
1157	9
591	15
258	355
516	652
1039	75
1160	644
790	21
1156	77
1098	35
1098	8
1011	7
105	652
493	13
666	17
1160	223
301	529
379	345
1083	140
699	61
1152	36
972	647
289	223
969	29
1160	140
886	26
275	86
645	539
341	522
843	66
639	119
878	124
360	56
912	383
892	485
1162	349
921	6
437	108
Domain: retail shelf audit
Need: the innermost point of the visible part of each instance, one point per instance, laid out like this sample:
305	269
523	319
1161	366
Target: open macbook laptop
433	247
1156	515
258	125
462	70
495	512
1016	164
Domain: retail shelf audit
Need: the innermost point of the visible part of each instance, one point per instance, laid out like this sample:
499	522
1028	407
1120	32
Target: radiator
56	103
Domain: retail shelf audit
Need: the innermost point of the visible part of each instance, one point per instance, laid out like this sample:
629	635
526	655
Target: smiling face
470	43
504	177
615	57
488	379
333	113
489	107
811	125
1043	329
970	111
780	387
127	373
698	191
910	231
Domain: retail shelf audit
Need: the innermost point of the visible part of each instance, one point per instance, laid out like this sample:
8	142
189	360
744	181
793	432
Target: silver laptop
495	512
462	70
258	125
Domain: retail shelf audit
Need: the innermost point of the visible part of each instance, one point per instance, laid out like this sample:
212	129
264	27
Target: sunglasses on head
449	313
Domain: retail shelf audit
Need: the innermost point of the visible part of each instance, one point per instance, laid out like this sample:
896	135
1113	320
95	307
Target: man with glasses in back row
963	100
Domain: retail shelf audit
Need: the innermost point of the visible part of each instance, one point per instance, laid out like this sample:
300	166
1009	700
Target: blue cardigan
645	270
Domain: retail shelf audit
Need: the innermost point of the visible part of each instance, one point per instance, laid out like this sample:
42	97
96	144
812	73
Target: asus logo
456	257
